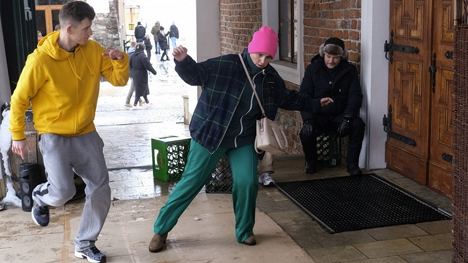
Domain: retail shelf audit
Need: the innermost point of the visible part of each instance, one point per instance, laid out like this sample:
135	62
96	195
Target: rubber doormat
359	202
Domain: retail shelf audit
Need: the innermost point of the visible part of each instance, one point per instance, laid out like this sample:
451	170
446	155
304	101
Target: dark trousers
164	54
325	124
148	54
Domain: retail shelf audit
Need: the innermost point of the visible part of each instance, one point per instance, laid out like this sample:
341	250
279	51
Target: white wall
208	38
208	35
374	79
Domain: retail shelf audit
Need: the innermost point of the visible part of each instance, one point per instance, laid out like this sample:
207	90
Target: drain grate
359	202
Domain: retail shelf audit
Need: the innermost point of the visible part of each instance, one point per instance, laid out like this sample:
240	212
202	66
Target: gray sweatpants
130	91
83	155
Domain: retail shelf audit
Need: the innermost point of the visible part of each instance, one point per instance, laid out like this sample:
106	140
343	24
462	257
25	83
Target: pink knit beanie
264	40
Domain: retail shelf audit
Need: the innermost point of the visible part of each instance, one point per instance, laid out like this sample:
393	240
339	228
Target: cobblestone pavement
166	103
127	132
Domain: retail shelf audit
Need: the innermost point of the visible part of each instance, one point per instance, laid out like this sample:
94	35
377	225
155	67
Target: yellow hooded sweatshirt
63	87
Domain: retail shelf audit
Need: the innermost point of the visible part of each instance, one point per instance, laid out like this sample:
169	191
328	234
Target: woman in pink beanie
264	40
224	124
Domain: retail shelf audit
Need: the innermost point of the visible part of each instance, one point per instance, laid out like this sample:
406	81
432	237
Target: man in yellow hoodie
61	81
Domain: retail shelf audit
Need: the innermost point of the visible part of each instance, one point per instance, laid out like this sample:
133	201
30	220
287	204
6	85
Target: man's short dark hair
74	12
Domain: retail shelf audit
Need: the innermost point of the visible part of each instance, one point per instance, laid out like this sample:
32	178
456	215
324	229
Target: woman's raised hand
179	53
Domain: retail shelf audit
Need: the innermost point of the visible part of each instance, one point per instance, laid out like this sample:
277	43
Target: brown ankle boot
157	243
250	241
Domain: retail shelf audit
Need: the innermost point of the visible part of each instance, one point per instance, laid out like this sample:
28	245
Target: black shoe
40	215
353	169
310	168
92	254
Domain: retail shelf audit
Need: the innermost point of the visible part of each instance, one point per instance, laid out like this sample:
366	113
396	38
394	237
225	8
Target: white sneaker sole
82	255
33	218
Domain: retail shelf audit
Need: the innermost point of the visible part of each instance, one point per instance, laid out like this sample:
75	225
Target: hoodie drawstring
86	62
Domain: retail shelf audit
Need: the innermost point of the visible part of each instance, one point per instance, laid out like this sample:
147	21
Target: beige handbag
270	136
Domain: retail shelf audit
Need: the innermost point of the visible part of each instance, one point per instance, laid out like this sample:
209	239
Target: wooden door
419	144
441	132
47	18
409	89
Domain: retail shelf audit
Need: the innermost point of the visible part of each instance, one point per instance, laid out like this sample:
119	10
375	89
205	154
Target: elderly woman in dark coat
139	65
163	43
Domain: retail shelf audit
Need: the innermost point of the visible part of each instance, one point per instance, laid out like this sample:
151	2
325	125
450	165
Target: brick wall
332	18
239	19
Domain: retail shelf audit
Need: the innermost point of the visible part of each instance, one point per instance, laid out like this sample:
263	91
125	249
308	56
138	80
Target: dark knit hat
334	46
336	41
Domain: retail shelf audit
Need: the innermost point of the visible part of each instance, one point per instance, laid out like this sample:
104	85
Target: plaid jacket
223	80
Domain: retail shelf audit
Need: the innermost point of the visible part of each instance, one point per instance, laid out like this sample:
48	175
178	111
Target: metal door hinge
390	47
387	123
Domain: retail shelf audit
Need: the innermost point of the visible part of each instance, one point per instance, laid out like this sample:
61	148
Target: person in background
140	32
139	65
130	51
174	35
39	36
163	43
224	123
61	81
132	48
148	46
331	75
155	31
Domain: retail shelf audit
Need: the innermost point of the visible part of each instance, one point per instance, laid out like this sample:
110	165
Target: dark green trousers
200	165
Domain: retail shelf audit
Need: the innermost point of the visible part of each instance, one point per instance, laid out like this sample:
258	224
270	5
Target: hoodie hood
49	45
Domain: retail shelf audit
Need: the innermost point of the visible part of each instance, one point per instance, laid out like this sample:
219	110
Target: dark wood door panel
409	103
441	132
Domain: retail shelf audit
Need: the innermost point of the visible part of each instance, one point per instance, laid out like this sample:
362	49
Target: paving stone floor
127	132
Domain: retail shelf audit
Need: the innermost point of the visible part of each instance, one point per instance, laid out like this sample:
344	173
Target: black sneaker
40	215
92	254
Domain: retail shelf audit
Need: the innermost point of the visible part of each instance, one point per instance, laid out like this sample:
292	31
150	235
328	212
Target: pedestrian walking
139	65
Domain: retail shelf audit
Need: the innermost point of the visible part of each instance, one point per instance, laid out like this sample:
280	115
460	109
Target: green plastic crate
169	156
328	150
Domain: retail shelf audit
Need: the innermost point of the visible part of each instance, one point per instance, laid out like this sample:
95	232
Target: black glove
308	128
345	127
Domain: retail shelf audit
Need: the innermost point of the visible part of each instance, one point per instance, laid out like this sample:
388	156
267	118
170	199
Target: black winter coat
174	31
140	31
148	44
344	88
163	40
139	65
